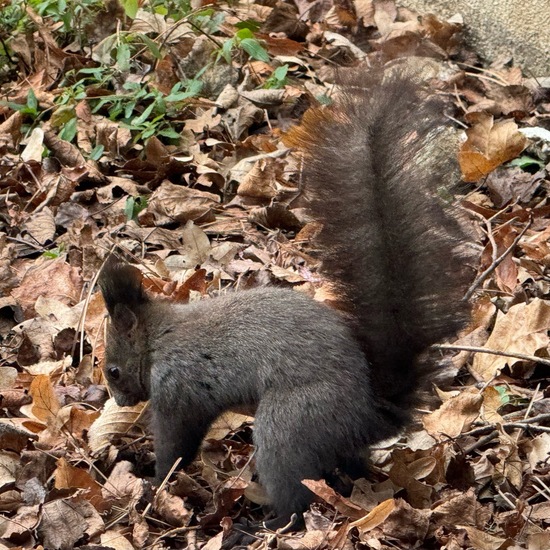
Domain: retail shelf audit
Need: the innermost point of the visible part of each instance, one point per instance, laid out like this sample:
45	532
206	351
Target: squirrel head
126	359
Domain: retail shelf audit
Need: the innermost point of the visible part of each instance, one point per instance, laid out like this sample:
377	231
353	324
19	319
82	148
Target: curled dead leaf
114	422
328	494
375	517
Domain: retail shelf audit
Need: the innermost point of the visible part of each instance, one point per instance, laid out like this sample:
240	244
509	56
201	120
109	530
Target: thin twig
476	349
495	263
162	485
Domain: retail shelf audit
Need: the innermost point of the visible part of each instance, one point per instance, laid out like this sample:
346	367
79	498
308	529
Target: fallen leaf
489	145
455	415
114	422
375	517
69	477
343	505
45	404
66	521
524	329
171	509
484	541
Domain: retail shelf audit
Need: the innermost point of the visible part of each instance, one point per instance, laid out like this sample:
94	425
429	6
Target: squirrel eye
113	373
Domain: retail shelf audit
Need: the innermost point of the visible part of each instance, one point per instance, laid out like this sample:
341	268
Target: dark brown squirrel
325	385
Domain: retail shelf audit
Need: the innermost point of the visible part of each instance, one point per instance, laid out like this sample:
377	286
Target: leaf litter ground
156	131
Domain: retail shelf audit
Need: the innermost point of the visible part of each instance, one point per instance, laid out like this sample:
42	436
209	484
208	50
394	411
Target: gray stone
495	28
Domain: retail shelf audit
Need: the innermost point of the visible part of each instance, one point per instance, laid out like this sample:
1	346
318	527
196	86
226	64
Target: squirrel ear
120	284
124	319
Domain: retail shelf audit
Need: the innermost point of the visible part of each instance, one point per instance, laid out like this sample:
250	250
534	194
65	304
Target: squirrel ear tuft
120	283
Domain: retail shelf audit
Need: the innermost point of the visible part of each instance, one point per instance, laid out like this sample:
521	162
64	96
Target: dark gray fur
391	248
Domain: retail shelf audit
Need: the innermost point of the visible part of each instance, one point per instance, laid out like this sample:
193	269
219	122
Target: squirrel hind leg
288	451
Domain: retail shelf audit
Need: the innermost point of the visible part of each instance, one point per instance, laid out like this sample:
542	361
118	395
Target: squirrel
325	384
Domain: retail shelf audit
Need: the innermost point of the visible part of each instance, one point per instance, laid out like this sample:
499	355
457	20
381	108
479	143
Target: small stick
476	349
495	263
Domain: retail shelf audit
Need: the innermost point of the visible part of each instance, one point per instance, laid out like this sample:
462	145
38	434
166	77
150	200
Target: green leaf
69	130
123	55
254	49
525	162
54	252
169	133
32	102
324	99
138	121
249	24
277	78
133	206
130	8
97	152
192	89
504	394
225	51
153	48
244	33
62	115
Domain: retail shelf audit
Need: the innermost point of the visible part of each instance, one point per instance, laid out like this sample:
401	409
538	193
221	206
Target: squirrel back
389	244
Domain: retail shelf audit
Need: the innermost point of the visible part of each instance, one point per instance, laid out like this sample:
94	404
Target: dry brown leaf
538	541
22	523
175	203
385	13
13	434
195	247
35	146
171	509
406	523
375	517
10	130
66	521
524	329
492	401
538	450
312	540
40	227
8	376
69	477
506	271
459	509
114	422
9	464
115	539
226	423
261	181
140	529
215	543
489	145
123	486
484	541
368	495
77	421
328	494
207	120
510	466
52	278
45	404
403	474
455	415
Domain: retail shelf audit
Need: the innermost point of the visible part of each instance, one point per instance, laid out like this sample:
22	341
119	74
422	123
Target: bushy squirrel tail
389	243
